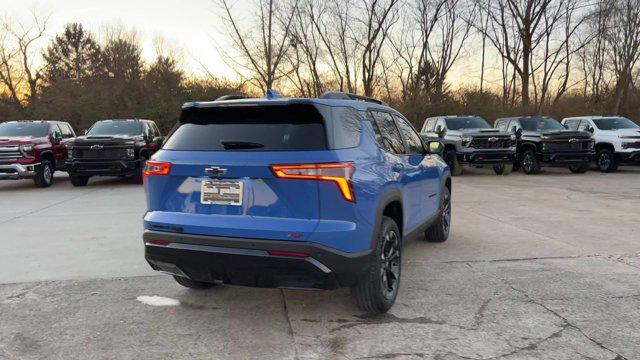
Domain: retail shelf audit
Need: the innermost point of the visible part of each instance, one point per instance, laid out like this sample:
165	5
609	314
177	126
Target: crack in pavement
290	326
519	259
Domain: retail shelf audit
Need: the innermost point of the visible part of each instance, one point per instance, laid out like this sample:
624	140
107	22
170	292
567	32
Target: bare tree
624	41
18	73
263	47
594	55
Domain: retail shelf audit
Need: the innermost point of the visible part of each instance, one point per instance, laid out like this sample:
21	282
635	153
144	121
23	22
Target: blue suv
294	193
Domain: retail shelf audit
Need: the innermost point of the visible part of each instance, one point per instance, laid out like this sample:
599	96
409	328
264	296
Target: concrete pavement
537	267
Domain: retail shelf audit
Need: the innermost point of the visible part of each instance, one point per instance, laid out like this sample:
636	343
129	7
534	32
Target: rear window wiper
233	144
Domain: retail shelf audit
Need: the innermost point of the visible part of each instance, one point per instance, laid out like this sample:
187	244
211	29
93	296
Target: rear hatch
221	181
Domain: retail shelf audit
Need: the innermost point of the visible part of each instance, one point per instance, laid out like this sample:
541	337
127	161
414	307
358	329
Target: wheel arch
48	155
605	145
390	204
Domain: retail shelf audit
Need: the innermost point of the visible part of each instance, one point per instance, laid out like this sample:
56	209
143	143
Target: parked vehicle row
533	142
37	149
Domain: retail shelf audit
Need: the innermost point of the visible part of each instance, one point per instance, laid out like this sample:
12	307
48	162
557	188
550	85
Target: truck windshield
541	124
23	129
615	124
460	123
116	128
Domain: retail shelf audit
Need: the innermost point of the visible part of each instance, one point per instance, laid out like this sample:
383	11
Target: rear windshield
116	128
296	127
615	124
460	123
24	129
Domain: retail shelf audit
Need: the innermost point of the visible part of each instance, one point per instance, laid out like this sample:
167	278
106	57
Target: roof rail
337	95
230	97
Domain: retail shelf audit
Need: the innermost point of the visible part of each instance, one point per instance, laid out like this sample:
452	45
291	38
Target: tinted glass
460	123
389	131
66	131
615	124
298	127
502	124
116	128
540	124
429	125
411	138
346	127
584	126
23	129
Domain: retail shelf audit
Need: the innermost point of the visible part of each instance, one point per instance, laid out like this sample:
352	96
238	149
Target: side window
502	125
411	138
584	125
66	131
441	123
572	124
148	131
389	131
379	139
156	130
514	124
56	131
429	126
346	127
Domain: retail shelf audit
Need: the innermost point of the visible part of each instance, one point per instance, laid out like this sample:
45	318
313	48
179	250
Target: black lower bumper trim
632	157
106	168
247	261
566	159
487	157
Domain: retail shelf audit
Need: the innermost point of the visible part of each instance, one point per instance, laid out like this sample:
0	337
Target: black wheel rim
446	212
527	163
604	161
390	269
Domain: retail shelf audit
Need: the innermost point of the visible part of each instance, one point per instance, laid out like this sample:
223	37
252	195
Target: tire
438	232
606	161
530	164
579	169
503	169
137	178
377	290
192	284
79	181
44	174
451	159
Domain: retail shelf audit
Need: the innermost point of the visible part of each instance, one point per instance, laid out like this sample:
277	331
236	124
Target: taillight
339	173
156	168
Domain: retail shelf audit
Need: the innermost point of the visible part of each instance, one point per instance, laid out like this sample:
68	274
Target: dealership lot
537	267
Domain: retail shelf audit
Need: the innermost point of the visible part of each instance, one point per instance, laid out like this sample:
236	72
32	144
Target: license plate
221	192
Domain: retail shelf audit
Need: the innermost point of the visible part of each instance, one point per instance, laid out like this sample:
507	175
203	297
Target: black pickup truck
543	141
113	148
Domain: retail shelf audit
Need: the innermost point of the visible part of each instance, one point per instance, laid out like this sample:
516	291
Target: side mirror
84	131
591	129
57	138
566	126
514	129
440	131
518	133
436	147
158	140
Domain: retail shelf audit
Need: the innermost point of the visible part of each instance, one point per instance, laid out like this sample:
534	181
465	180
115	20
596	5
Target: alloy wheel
390	269
46	173
604	161
446	213
527	163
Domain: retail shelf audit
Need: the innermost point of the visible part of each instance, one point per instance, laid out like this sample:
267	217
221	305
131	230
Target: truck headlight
131	153
26	150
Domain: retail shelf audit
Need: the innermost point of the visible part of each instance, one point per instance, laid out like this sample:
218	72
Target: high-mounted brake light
339	173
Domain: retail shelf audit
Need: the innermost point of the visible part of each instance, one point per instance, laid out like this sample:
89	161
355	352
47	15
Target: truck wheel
451	159
438	232
579	169
377	290
503	169
606	161
44	174
137	178
192	284
79	180
530	164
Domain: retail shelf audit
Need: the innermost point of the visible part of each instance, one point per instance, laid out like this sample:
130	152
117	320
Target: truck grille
9	153
485	143
566	146
633	145
102	154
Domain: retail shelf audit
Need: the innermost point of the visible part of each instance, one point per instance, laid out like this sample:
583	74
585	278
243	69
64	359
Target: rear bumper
566	158
18	171
248	262
105	168
481	157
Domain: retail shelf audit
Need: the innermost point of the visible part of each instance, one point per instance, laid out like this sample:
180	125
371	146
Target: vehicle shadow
61	181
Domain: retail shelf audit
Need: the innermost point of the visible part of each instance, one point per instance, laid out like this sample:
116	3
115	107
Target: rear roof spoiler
349	96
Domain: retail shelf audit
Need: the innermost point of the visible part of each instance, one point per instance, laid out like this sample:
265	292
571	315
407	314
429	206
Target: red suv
33	150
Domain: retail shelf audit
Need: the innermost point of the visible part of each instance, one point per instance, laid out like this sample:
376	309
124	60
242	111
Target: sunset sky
193	26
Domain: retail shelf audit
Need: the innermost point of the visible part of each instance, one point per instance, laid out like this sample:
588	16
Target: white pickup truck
617	139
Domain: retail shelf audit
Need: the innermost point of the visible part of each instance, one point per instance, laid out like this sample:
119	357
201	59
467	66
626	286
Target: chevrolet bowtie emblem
493	139
573	140
214	170
96	147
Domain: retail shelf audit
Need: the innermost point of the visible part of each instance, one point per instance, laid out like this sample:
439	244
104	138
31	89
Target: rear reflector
339	173
288	254
159	242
